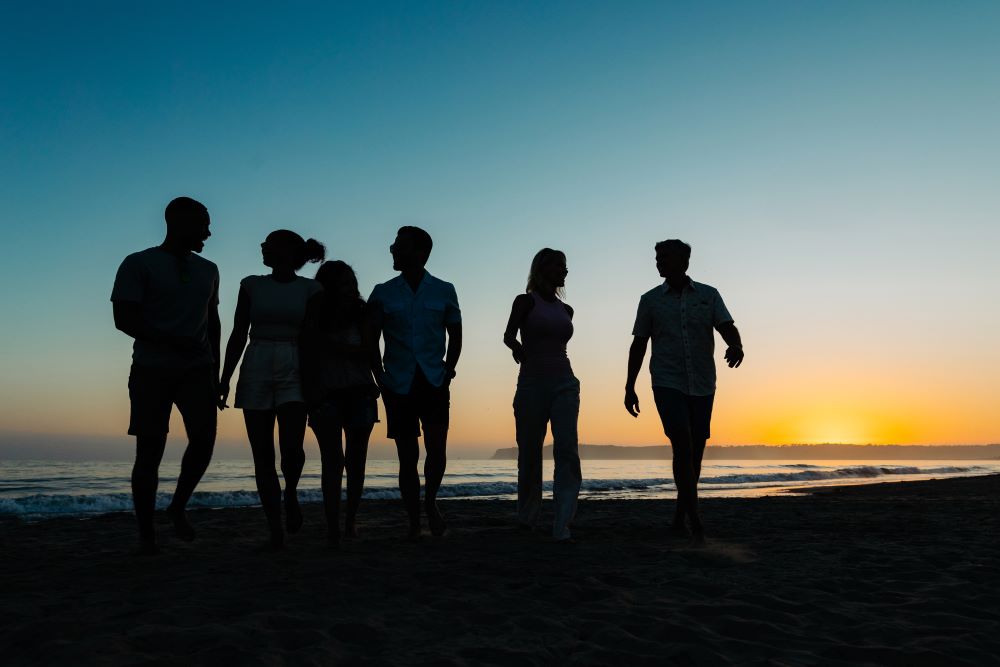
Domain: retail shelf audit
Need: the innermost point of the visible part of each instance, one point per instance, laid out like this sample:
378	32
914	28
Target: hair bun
314	251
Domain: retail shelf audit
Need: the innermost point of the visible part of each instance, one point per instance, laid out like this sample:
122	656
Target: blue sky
833	165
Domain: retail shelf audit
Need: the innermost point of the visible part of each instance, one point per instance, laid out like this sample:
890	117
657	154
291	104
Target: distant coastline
780	452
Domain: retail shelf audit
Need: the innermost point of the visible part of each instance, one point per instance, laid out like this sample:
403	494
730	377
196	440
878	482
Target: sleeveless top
544	334
277	309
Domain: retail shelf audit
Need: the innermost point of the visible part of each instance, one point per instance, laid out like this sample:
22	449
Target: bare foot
435	520
293	513
182	528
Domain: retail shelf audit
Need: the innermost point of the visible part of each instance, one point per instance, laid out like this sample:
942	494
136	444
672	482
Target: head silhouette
411	249
672	259
284	249
187	224
338	280
548	272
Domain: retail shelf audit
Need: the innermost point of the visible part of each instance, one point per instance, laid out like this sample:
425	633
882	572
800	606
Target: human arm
371	332
523	303
237	341
454	351
734	351
636	353
215	338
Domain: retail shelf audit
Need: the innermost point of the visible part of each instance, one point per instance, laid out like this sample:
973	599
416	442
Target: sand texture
898	574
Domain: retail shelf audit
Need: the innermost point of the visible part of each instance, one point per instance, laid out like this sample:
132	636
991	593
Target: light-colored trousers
537	403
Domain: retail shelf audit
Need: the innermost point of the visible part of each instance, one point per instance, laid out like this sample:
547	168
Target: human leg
145	481
568	477
151	400
674	412
356	456
404	429
408	451
531	416
291	433
432	405
328	436
195	399
260	432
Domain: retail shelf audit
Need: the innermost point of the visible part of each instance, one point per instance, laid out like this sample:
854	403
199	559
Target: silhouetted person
271	310
166	298
413	312
341	392
547	393
679	316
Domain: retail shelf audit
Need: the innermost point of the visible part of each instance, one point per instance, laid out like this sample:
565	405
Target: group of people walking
310	350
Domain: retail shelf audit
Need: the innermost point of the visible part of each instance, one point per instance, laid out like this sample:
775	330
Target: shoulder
707	290
198	260
441	285
311	284
142	257
388	284
524	300
251	281
651	294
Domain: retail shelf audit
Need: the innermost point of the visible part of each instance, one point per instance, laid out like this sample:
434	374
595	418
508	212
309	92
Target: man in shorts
680	316
415	313
166	298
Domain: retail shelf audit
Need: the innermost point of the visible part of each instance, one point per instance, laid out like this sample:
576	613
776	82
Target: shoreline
891	572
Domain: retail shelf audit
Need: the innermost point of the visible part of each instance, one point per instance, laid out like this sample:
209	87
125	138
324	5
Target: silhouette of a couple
313	357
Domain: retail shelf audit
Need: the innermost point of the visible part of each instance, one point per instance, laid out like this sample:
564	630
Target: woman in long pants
547	392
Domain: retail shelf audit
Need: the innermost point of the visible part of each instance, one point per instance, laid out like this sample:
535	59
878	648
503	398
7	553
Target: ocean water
35	490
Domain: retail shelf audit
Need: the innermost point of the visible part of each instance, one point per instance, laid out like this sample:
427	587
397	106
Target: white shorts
269	375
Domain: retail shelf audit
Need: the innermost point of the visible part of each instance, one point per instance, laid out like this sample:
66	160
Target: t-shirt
681	324
413	325
177	294
277	309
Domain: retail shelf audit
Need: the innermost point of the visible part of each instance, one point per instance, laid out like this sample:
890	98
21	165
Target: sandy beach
899	574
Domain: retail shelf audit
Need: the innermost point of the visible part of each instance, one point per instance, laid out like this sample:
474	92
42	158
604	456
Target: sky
833	166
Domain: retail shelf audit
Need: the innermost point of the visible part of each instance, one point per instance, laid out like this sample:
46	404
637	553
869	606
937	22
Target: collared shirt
413	325
681	324
178	295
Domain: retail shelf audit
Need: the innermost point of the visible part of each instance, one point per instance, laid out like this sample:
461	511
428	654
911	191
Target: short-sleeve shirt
178	295
277	309
681	324
413	325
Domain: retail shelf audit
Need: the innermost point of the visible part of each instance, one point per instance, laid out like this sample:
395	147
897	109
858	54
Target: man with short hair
166	298
414	313
679	316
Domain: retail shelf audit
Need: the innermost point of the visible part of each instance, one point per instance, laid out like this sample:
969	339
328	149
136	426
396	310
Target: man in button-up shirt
681	317
413	312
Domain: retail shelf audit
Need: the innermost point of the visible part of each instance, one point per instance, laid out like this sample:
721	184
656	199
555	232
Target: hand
223	395
449	375
517	351
734	356
632	402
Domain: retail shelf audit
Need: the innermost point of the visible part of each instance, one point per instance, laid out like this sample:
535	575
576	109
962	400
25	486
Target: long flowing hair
542	258
330	275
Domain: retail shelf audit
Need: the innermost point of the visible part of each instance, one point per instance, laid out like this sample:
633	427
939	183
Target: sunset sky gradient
833	165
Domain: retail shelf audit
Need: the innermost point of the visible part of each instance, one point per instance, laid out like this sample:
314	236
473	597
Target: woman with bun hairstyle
272	311
341	393
547	392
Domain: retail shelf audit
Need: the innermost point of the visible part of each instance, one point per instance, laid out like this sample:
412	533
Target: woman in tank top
271	310
341	393
547	393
